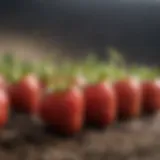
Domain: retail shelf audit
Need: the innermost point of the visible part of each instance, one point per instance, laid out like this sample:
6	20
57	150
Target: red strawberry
100	104
63	110
151	95
128	93
4	108
25	94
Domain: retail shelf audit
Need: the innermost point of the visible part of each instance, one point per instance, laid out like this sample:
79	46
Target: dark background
78	26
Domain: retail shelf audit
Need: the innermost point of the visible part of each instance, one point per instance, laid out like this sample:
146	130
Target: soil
25	139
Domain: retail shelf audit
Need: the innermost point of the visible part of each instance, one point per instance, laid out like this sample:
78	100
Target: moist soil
25	139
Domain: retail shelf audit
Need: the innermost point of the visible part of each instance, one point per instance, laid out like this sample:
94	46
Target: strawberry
4	108
63	110
100	104
25	94
128	93
151	95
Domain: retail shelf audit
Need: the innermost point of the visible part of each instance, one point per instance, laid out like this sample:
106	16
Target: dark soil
23	139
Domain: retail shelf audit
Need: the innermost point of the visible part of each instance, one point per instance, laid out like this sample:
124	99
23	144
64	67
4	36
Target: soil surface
25	139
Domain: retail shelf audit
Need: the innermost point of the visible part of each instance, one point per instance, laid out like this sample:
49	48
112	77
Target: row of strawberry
73	94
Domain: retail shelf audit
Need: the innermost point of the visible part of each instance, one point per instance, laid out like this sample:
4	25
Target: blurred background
33	28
